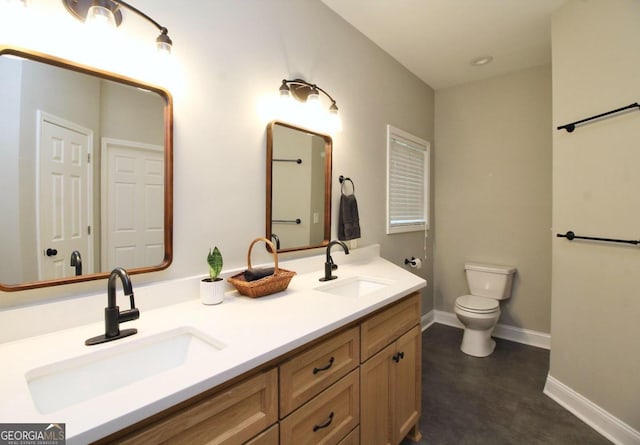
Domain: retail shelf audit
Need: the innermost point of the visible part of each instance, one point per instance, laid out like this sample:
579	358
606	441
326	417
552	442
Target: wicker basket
264	286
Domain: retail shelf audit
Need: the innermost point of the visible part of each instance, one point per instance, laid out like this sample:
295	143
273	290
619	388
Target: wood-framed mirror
86	172
298	212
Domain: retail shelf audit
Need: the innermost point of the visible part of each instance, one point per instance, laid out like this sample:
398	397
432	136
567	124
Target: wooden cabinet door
386	326
406	380
376	398
390	388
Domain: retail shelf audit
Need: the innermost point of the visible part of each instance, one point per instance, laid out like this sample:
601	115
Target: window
407	182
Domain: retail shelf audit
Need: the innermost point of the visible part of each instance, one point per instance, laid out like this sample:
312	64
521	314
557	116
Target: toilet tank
489	280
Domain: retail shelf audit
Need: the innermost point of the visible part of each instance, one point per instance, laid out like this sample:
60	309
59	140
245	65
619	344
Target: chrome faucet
76	261
112	315
329	265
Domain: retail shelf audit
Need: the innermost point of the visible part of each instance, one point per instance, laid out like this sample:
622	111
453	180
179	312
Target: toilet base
477	343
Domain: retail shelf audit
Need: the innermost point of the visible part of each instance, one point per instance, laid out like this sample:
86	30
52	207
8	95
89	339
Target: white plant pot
212	292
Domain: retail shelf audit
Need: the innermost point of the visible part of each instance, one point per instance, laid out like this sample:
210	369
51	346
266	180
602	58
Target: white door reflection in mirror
63	196
133	215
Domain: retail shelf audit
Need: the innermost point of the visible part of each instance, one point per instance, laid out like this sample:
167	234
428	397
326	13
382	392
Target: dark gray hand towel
257	274
348	219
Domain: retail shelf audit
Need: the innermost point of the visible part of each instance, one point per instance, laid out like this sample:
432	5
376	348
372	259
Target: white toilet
479	312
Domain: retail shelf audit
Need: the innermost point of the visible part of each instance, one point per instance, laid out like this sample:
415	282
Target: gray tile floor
493	400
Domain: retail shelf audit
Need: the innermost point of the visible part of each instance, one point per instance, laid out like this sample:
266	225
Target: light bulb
102	16
163	42
313	97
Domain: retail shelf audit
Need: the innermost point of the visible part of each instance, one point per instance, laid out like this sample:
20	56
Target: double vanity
334	362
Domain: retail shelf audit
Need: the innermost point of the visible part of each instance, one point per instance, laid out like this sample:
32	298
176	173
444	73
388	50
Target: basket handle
273	251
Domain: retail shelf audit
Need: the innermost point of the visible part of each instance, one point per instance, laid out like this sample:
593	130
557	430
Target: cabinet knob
324	424
51	252
325	367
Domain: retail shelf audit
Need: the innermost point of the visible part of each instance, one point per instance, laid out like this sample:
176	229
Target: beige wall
233	53
595	293
493	189
131	114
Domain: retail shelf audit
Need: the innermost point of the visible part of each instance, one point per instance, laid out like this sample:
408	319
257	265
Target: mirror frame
328	148
168	170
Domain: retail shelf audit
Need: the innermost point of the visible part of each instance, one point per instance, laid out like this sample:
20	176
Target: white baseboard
427	320
512	333
600	420
447	318
521	335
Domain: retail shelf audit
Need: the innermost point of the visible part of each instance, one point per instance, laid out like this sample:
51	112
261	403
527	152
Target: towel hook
342	180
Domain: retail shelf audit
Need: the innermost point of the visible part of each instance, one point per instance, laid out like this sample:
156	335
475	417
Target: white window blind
407	182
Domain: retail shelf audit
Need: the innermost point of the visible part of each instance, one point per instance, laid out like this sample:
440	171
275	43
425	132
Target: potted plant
212	288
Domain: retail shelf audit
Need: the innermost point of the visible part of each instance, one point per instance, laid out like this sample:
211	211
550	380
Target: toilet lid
480	305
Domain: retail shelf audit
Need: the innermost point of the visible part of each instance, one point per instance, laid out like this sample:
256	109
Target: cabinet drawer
385	327
269	437
234	415
352	439
327	418
315	369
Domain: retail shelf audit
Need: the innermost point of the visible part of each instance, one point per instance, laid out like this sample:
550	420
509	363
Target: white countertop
253	331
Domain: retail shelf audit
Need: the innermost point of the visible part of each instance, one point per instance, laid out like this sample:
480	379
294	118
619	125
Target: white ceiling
438	39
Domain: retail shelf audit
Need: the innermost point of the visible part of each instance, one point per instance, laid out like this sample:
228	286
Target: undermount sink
354	286
67	382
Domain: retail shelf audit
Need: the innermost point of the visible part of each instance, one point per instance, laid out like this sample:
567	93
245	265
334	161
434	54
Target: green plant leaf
214	259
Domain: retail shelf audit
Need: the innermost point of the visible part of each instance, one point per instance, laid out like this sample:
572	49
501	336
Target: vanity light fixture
305	92
109	11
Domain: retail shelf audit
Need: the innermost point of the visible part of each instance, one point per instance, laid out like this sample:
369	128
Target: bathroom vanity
335	362
328	391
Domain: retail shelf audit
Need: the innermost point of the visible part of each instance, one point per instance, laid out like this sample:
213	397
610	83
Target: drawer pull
324	424
397	357
325	367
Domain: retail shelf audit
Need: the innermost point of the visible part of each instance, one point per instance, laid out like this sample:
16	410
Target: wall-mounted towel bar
297	161
572	126
571	236
287	221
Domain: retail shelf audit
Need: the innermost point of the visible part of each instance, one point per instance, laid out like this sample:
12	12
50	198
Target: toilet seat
477	305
